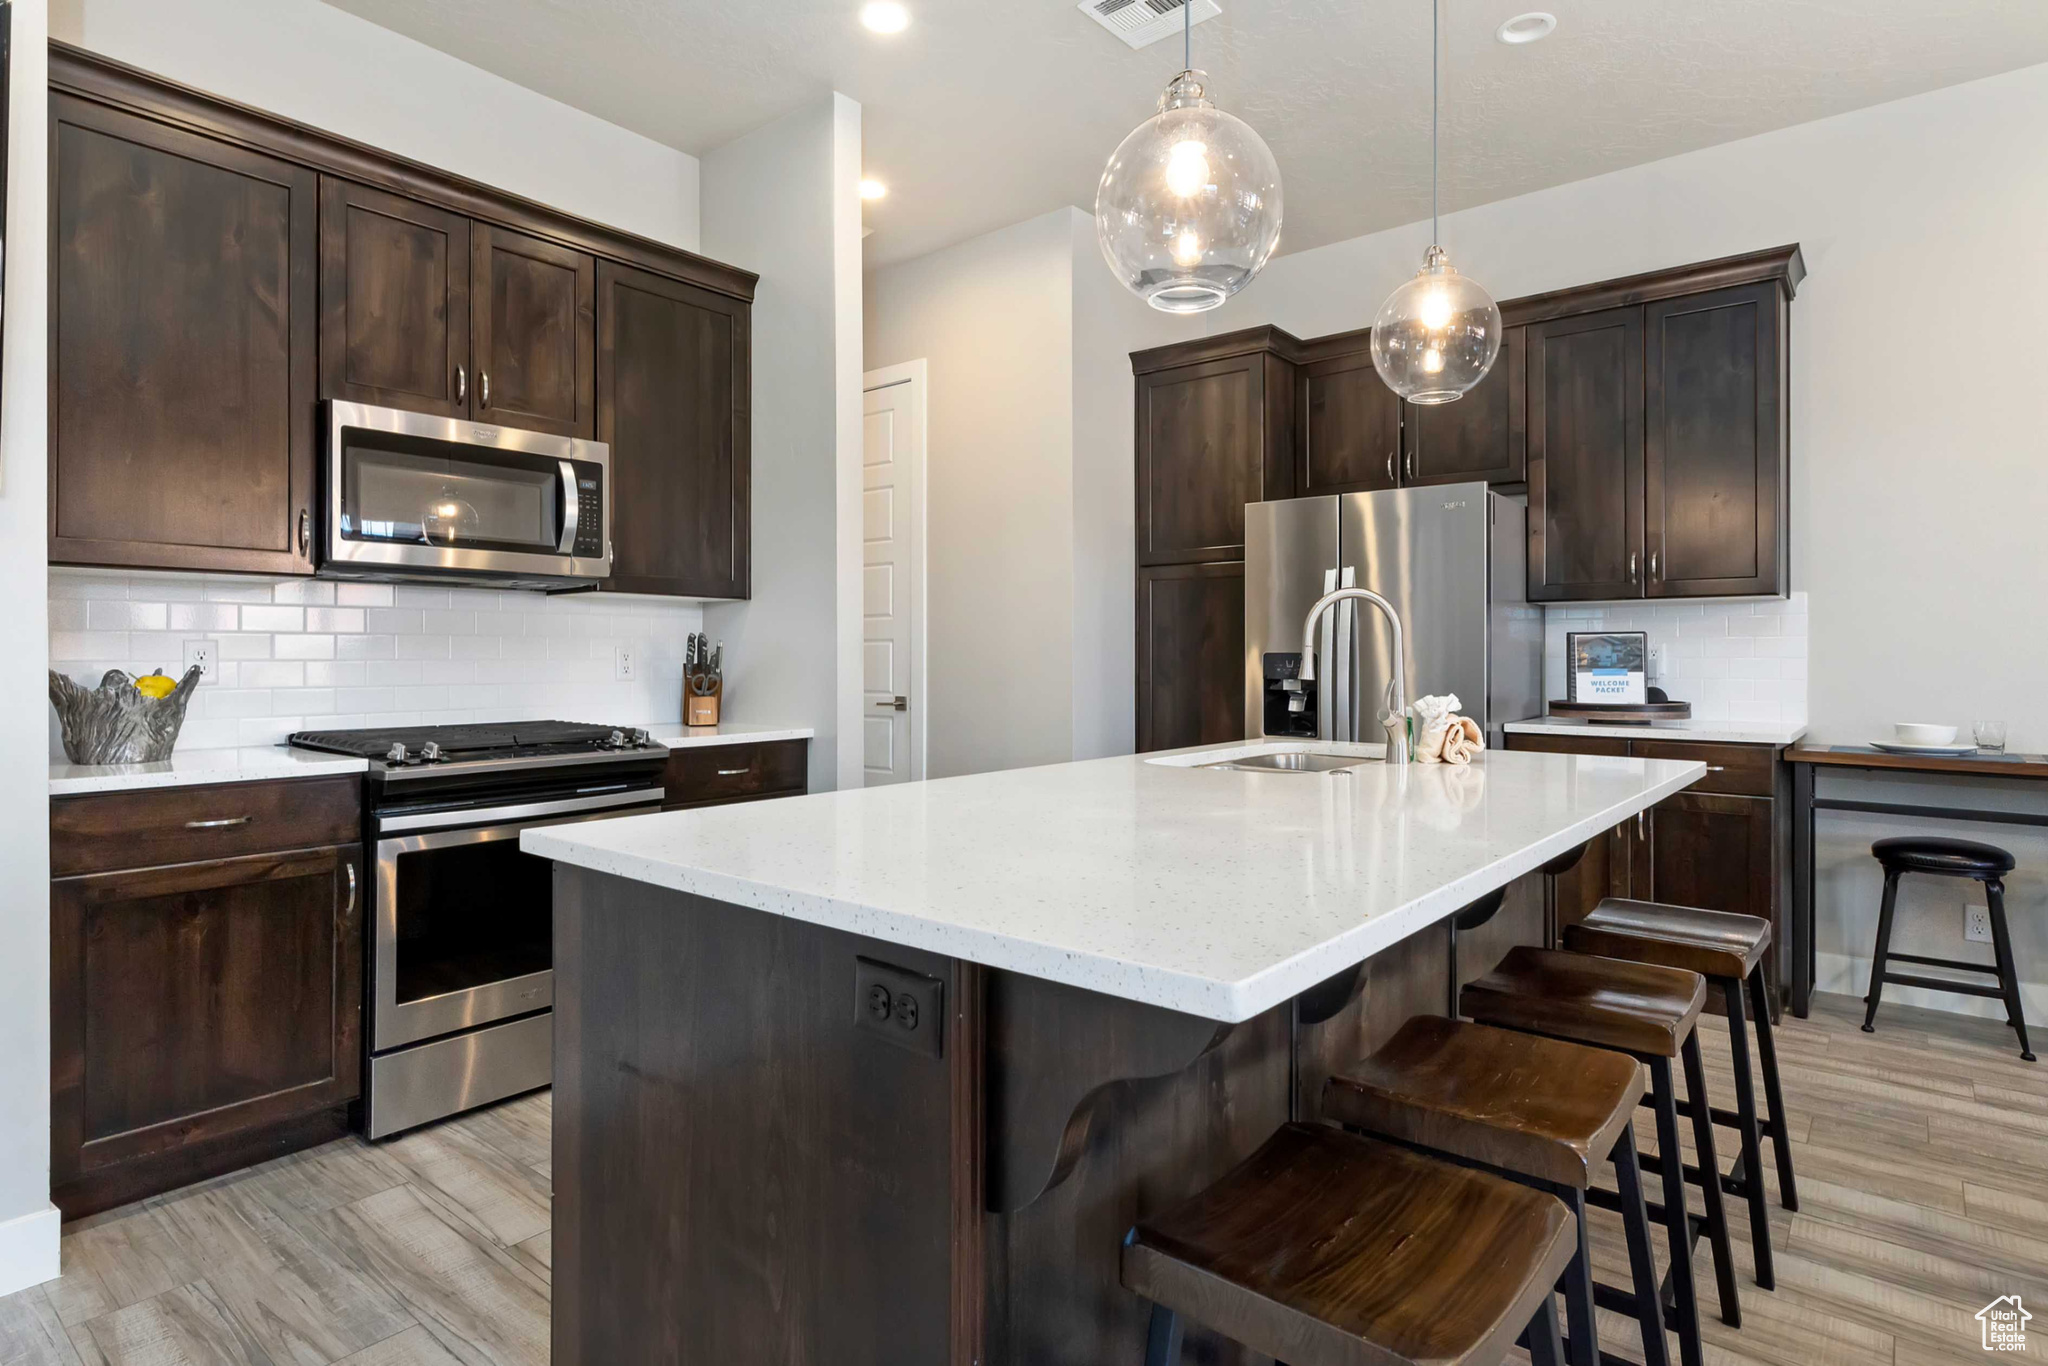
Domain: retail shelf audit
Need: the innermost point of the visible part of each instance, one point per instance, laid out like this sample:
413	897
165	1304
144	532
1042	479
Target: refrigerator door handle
1326	690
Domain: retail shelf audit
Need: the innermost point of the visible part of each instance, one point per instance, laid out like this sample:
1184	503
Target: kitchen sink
1290	761
1276	756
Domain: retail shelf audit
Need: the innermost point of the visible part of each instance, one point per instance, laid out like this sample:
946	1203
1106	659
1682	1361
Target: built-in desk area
1807	762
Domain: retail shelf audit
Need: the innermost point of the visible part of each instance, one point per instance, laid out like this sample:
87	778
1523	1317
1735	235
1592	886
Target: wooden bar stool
1326	1249
1985	863
1540	1111
1649	1013
1728	950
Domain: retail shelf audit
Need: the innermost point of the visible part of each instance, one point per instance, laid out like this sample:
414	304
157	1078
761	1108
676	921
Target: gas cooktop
507	744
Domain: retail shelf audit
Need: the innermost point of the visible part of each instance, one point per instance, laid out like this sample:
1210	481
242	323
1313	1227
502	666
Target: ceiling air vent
1141	23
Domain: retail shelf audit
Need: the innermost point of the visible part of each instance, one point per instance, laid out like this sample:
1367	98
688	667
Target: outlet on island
901	1006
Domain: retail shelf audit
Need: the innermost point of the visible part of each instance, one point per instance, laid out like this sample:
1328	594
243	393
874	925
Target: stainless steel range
461	923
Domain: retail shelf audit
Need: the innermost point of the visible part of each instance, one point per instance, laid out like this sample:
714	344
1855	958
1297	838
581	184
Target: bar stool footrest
1914	979
1988	969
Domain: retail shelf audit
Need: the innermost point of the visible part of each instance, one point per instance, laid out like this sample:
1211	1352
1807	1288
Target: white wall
784	200
28	1222
1109	323
1919	486
345	75
1028	495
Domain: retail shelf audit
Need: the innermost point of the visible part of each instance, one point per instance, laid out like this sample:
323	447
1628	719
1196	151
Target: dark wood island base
770	1148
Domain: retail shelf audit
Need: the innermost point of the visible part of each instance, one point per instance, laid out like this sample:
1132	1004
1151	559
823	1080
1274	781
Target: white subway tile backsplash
257	618
363	594
1734	661
294	653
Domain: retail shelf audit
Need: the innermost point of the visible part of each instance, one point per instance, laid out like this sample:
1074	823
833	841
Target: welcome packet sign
1607	666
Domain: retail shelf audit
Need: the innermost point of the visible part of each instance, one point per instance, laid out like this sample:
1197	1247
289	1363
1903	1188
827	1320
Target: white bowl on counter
1914	733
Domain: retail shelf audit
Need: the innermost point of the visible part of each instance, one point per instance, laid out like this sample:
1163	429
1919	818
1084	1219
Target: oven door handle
571	508
500	815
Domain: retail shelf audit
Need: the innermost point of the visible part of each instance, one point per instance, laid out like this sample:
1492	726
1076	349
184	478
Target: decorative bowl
1913	733
116	724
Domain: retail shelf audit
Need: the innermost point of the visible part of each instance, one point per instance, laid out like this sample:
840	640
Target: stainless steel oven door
463	922
411	495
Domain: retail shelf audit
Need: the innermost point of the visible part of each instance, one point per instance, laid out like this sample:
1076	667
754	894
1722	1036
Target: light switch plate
206	655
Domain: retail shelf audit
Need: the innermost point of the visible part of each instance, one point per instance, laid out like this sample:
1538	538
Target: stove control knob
396	754
616	740
430	753
641	739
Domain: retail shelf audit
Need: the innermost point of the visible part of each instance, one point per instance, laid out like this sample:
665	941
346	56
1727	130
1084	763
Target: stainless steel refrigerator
1451	558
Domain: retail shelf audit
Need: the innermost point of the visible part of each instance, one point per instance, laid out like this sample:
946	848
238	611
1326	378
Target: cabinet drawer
723	773
1568	744
1743	770
109	831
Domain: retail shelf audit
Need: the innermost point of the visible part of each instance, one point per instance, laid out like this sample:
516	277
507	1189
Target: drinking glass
1990	736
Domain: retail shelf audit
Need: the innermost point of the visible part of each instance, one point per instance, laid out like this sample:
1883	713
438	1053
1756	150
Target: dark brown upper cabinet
394	301
182	279
674	403
1215	430
1585	393
1657	432
533	332
216	271
1482	436
1714	468
431	312
1350	421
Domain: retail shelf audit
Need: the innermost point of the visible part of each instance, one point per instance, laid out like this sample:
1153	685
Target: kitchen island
884	1075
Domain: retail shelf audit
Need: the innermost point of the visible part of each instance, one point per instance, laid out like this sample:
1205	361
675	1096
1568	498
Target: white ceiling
984	114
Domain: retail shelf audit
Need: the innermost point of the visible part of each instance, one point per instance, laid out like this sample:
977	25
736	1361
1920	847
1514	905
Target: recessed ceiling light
884	16
873	189
1526	28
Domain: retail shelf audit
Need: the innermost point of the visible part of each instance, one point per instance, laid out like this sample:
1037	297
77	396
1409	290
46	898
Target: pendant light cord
1187	35
1435	231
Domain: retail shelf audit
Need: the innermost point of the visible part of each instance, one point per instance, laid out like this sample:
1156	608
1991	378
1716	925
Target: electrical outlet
622	663
902	1006
203	654
1660	662
1977	924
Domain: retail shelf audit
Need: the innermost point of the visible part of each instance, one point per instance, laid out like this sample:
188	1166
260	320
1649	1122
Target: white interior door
892	575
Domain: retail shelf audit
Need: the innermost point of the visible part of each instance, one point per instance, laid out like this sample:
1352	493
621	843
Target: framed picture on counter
1607	666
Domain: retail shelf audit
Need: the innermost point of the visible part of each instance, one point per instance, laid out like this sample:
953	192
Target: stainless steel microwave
415	497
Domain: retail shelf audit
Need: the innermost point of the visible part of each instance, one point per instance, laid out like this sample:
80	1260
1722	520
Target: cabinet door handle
221	824
1631	566
462	384
483	389
1642	826
1408	466
1717	768
1390	467
350	908
305	532
733	772
1653	568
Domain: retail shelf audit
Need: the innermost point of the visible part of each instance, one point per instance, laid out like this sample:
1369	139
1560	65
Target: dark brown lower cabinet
1723	844
1191	665
712	775
204	1016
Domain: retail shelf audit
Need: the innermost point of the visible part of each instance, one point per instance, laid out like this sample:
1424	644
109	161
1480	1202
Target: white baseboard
1850	976
28	1249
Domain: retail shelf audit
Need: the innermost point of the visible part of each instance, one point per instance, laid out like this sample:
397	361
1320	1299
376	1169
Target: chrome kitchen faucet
1397	688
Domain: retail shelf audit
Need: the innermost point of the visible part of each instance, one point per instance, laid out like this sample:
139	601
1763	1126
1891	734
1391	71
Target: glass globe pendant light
1438	334
1188	210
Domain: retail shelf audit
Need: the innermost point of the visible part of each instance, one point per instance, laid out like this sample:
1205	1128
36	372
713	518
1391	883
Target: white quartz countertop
193	767
1221	893
1716	732
690	737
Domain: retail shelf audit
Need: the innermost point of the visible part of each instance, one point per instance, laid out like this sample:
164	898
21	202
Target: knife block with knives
703	680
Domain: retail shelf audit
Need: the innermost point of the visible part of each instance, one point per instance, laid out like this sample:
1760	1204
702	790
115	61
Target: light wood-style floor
1922	1156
